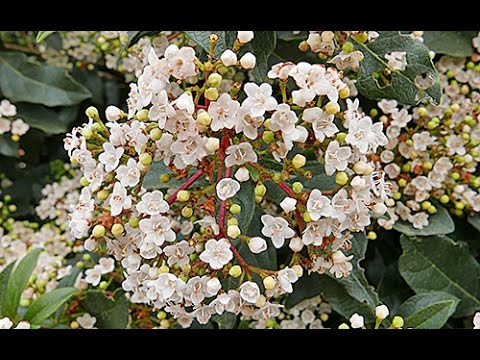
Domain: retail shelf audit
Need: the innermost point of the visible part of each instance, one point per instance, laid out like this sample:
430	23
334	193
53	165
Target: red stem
173	36
185	186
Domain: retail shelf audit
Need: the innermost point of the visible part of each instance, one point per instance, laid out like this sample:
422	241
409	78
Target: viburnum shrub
226	151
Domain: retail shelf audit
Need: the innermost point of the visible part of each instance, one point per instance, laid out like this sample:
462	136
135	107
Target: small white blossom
249	292
277	229
288	204
356	321
257	245
227	188
217	253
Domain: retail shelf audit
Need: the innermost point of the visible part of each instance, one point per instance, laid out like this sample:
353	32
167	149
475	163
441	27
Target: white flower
240	154
341	266
217	253
227	188
282	70
157	229
93	276
245	36
178	253
19	127
5	126
381	312
318	205
322	122
112	113
288	204
128	175
455	145
248	61
223	112
336	157
180	61
7	108
119	199
400	118
23	325
213	286
111	156
257	245
106	265
196	289
247	123
152	203
212	144
312	81
259	99
365	135
228	58
249	292
356	321
397	60
283	119
167	285
316	231
419	220
476	321
277	229
209	221
388	106
5	323
286	277
161	109
242	174
87	321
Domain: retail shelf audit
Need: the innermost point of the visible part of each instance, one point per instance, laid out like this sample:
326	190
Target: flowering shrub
214	184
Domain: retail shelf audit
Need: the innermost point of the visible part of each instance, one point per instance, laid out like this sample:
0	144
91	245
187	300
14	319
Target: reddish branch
185	186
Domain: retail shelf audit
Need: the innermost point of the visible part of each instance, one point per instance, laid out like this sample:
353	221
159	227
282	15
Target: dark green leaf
392	288
42	35
453	43
246	199
439	224
4	277
436	263
45	119
403	85
202	38
7	146
474	220
225	321
262	47
428	310
93	82
111	313
18	281
24	80
42	308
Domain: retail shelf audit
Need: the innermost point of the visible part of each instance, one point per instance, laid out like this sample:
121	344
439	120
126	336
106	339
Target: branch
185	186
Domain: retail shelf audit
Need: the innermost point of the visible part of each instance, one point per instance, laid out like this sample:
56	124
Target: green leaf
93	82
202	38
392	288
4	277
436	263
403	85
262	47
245	197
25	80
111	313
42	308
453	43
18	281
152	179
356	284
474	221
45	119
438	224
225	321
428	310
42	35
7	146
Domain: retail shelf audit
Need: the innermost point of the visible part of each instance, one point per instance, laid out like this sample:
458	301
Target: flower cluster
308	314
9	123
433	151
190	250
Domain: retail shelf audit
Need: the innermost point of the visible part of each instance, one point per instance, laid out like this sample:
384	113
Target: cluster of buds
190	250
381	313
433	151
9	123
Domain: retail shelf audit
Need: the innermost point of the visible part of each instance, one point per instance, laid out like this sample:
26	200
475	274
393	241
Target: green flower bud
459	206
297	187
80	264
409	142
87	257
214	80
422	112
74	325
444	199
344	92
161	315
12	208
92	112
372	235
103	285
142	115
164	178
183	195
373	112
455	175
235	271
426	205
397	322
102	195
133	222
232	221
145	159
211	94
347	47
24	302
87	133
299	161
84	181
163	269
268	137
306	216
117	230
187	212
156	134
98	231
235	209
332	108
341	178
269	283
432	210
402	182
204	118
258	199
343	326
260	190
